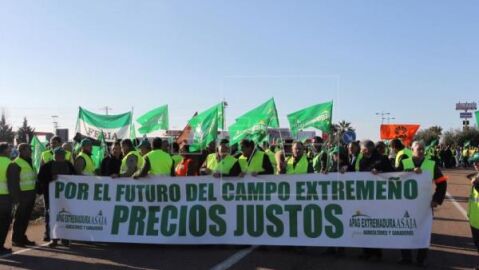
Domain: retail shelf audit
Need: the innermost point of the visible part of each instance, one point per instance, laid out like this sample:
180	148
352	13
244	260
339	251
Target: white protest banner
346	210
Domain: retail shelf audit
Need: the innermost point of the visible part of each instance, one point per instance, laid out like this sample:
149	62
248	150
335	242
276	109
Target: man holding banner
157	162
83	163
419	164
252	160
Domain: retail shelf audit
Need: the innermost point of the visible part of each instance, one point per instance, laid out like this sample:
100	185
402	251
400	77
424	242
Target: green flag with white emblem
204	127
254	124
156	119
318	116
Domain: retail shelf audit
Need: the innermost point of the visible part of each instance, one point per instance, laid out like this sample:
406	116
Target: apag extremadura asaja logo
404	225
81	222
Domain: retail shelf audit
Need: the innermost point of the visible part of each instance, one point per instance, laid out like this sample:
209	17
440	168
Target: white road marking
457	205
238	256
23	251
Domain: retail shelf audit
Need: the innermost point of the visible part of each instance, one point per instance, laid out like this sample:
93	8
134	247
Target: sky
412	59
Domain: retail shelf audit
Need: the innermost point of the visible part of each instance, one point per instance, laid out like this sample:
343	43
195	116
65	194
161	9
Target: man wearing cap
83	163
22	186
418	163
5	196
144	147
49	173
298	163
473	209
157	162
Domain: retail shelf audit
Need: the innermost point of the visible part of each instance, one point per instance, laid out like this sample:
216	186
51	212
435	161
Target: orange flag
398	131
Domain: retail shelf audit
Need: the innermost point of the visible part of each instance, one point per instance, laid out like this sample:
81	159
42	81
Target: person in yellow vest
47	155
401	152
68	151
298	163
473	209
83	163
223	164
418	163
268	150
132	161
156	162
21	179
5	197
211	157
253	161
144	147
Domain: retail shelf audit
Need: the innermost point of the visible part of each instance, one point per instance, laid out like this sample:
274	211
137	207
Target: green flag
204	127
154	120
477	118
37	149
114	126
254	124
265	113
221	113
318	116
98	152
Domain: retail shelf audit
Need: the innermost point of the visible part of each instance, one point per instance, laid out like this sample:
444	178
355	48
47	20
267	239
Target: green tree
428	135
6	132
25	132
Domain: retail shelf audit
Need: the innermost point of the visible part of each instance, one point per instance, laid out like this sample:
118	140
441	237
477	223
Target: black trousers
475	237
23	213
5	217
47	215
420	257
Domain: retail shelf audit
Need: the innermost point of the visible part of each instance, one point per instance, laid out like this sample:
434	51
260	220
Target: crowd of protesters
219	159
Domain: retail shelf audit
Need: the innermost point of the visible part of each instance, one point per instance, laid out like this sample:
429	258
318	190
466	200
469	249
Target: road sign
466	106
465	115
349	136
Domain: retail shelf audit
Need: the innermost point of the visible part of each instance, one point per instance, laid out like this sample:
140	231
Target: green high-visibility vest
255	164
405	151
48	156
89	168
210	158
223	166
427	165
4	163
176	159
140	161
473	209
301	166
358	161
272	159
27	175
68	156
160	162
